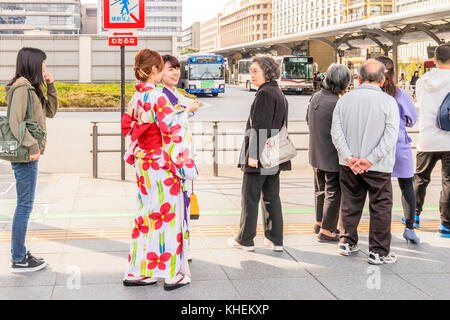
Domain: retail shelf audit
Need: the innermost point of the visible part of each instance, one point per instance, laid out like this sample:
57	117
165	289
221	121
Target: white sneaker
375	258
269	243
233	243
345	249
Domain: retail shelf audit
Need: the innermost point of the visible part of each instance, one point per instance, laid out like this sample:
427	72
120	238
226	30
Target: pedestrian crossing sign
123	14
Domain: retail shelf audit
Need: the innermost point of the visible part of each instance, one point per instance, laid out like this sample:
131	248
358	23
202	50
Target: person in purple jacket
404	165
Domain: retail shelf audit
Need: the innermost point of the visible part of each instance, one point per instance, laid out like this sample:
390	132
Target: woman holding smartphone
30	78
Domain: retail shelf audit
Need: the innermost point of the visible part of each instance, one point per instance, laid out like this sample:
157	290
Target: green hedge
86	95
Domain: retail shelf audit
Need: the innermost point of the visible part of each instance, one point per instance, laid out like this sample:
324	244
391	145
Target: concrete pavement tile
28	293
94	223
103	292
324	260
103	245
93	267
198	290
103	204
45	224
198	243
44	277
423	258
425	237
216	242
40	248
100	191
261	264
204	266
436	285
282	289
372	286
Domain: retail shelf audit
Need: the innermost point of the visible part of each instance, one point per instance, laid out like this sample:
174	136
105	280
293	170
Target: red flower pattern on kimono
170	135
146	106
169	165
161	109
148	162
139	228
154	152
143	87
141	184
163	216
174	184
180	241
184	160
156	261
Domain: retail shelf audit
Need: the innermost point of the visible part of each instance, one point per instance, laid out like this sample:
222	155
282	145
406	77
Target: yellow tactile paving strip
196	231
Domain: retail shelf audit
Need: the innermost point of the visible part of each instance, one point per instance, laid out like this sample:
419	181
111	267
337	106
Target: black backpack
443	118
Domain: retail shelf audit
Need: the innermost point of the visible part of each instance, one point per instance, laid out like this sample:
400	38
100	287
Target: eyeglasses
255	71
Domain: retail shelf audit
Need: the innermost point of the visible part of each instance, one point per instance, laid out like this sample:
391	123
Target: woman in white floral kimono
160	152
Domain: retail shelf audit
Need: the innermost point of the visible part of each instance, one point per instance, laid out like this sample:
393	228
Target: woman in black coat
268	113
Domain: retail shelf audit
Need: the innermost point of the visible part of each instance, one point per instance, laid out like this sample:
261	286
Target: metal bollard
95	150
215	148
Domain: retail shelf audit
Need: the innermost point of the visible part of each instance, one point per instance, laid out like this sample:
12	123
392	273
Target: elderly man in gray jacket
364	131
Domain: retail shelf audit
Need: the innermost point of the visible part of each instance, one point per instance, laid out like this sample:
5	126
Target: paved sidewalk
80	225
92	269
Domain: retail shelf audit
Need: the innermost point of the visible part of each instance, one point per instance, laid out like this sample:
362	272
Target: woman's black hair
29	65
174	63
390	85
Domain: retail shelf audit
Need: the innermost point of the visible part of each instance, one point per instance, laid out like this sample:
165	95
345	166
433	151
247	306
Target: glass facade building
51	17
292	16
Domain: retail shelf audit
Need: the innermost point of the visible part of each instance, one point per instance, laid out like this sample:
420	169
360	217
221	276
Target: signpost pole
122	109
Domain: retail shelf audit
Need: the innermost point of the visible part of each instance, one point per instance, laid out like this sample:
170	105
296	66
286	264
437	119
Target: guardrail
214	140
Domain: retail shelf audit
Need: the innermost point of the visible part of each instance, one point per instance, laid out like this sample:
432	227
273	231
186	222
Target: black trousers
327	198
354	192
426	161
265	189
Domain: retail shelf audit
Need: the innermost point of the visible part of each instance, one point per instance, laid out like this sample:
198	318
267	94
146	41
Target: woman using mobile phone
30	77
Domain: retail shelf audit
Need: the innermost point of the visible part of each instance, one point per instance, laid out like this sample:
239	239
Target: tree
189	50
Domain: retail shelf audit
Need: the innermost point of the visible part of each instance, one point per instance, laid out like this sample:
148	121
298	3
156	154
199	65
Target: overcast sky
193	10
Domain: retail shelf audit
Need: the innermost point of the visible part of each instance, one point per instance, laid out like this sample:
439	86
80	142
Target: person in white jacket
434	143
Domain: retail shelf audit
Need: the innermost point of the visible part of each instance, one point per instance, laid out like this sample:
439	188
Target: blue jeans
26	177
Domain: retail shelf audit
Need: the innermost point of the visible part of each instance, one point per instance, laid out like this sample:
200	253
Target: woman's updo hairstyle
144	62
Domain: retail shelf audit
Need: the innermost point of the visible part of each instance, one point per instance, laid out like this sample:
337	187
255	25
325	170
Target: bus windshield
296	70
207	71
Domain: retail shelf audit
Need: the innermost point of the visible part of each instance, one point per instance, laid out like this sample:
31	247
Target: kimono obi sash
150	137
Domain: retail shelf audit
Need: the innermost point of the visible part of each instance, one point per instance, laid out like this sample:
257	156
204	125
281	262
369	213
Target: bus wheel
215	94
249	86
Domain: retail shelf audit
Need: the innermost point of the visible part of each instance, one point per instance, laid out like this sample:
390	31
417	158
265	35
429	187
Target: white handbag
278	149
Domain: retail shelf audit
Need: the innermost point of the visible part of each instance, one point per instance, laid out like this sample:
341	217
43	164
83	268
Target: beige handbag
278	149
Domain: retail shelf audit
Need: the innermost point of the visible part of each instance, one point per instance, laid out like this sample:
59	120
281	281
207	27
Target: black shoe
316	228
33	257
28	264
324	238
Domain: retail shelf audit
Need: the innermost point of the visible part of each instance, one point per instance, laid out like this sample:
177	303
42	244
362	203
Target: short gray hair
372	71
337	79
269	66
